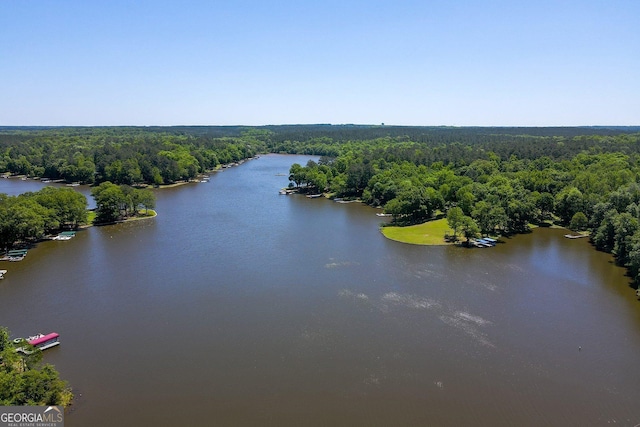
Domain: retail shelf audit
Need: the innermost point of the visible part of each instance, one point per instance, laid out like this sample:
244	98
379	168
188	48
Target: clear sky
246	62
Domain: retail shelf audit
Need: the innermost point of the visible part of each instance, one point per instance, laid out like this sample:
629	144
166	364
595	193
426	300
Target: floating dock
39	341
65	235
14	255
485	242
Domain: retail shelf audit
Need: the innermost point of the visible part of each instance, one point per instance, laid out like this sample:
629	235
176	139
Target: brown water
239	307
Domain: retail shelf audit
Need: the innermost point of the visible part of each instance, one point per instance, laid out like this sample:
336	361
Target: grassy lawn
429	233
91	215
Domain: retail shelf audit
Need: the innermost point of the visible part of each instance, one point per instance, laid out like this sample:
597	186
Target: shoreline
136	218
431	233
219	168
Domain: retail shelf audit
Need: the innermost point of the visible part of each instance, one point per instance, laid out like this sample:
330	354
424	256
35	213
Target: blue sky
459	63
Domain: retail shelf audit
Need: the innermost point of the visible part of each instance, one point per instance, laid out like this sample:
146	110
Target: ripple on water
410	301
468	323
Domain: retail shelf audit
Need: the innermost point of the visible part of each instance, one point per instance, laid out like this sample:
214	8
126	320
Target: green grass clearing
91	215
429	233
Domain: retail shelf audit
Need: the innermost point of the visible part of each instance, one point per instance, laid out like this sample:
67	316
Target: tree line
126	156
164	155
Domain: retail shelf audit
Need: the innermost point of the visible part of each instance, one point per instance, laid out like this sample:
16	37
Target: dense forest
494	180
163	155
119	155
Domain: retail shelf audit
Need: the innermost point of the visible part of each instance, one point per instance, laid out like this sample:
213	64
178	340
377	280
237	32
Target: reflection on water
240	306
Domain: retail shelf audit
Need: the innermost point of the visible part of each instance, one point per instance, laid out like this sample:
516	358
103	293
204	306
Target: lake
237	306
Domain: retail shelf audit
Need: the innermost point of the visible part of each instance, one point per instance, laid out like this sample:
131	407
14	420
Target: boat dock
485	242
65	235
575	236
39	341
14	255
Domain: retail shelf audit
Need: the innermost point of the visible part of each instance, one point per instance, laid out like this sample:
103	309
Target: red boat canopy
45	338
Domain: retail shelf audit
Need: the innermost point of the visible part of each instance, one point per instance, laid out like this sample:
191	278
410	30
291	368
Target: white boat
61	237
2	273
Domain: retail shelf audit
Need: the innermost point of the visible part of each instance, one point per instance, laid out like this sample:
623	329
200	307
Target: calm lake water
237	306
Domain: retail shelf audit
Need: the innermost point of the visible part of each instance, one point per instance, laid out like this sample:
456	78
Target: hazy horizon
390	125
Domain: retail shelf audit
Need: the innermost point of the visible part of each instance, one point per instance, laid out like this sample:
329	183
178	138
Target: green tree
482	214
568	202
156	176
455	220
68	205
579	222
519	214
469	228
26	220
358	176
546	204
143	198
604	236
111	202
296	174
317	180
466	200
625	227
